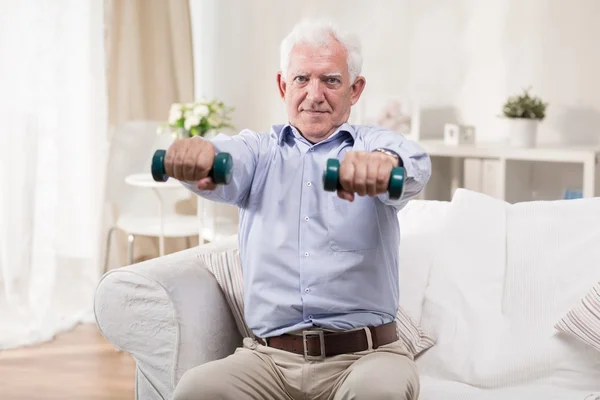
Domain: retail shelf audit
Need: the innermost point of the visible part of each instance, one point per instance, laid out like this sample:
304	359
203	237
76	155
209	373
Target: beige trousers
258	372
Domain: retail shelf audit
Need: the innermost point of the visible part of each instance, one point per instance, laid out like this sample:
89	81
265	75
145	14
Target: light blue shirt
310	258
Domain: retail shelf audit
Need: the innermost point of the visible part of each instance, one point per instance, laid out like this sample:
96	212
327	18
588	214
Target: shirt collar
288	129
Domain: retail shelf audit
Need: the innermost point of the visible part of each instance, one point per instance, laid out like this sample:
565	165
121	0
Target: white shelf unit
501	171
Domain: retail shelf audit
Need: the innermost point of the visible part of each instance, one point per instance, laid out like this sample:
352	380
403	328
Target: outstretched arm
244	150
415	161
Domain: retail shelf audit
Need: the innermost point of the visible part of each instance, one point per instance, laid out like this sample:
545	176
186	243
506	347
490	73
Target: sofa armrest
169	313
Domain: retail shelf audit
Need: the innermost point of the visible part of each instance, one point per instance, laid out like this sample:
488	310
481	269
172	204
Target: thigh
246	374
379	375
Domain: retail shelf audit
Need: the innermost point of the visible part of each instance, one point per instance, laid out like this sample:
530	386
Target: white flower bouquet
199	118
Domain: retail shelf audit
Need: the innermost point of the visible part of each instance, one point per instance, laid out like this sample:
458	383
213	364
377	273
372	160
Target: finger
201	170
344	195
189	164
346	176
360	178
169	161
206	184
178	161
383	178
371	180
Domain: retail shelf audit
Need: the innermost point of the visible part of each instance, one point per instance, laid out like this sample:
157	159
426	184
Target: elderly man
320	268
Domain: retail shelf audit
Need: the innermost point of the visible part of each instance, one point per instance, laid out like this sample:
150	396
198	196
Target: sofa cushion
414	337
420	222
464	295
227	268
583	320
503	277
439	389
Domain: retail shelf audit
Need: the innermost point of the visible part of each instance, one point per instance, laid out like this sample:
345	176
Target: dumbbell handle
220	173
331	179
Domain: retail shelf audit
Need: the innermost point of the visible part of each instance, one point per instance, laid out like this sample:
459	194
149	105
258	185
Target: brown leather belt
317	344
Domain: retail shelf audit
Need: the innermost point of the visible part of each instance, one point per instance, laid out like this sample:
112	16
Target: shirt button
306	218
306	290
306	254
310	317
312	149
308	183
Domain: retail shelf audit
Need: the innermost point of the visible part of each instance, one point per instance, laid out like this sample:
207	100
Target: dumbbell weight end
158	166
331	182
220	173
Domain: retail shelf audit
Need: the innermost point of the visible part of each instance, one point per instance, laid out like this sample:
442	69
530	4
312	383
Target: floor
76	365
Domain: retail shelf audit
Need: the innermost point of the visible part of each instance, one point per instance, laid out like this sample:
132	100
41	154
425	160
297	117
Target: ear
281	85
357	88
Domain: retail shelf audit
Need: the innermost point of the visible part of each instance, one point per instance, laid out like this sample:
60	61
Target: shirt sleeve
244	149
416	163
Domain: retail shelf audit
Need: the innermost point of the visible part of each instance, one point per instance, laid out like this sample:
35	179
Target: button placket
303	231
304	206
306	251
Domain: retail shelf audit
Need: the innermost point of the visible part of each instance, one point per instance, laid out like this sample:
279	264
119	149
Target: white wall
459	58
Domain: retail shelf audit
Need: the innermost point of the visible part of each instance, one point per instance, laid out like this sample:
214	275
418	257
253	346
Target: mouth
313	112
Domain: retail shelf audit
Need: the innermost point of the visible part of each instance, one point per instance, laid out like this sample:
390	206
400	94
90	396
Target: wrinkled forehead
321	59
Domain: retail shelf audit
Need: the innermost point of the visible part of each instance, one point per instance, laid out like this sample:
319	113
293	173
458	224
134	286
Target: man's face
317	90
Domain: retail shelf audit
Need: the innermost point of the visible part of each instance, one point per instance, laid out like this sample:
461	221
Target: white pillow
505	274
553	260
583	320
464	294
421	222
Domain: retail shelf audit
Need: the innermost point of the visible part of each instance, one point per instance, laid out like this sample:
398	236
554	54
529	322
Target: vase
522	132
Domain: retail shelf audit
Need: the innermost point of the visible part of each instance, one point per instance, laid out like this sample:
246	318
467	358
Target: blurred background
502	93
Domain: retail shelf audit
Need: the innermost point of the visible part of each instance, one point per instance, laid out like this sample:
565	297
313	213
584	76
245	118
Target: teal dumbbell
220	173
331	179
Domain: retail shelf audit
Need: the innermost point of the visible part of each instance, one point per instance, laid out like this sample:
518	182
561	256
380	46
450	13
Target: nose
315	92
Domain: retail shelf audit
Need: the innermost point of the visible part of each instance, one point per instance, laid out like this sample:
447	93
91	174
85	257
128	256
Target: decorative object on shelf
570	194
200	118
402	117
455	135
524	113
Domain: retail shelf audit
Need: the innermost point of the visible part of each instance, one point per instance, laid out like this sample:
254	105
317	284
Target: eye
300	79
333	81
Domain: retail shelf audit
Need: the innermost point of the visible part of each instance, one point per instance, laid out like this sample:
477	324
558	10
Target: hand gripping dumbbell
219	173
331	179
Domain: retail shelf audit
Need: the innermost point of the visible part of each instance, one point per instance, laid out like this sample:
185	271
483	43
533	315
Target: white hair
320	33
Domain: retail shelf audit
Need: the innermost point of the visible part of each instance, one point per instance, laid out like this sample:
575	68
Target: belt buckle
307	333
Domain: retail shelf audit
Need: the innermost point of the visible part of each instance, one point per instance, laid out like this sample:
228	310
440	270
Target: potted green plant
524	112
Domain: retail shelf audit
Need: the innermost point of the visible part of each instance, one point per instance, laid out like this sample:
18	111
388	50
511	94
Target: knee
362	387
371	391
389	392
199	383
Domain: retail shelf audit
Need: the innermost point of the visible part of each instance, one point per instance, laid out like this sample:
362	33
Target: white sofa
486	279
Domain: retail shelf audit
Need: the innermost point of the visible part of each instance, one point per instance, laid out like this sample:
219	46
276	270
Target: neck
317	138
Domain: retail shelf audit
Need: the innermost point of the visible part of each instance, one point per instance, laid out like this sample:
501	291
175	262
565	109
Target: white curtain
53	120
150	66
